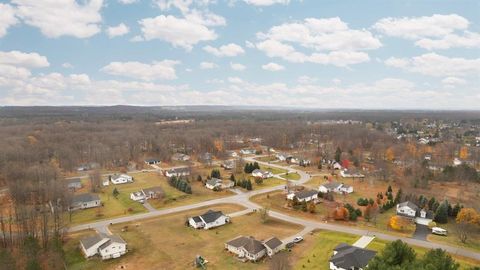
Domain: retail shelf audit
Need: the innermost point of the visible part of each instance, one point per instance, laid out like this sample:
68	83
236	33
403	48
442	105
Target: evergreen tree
115	193
255	166
199	178
232	178
395	255
338	154
441	215
438	259
249	185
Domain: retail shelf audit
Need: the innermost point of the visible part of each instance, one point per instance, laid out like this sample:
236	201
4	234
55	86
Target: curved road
243	198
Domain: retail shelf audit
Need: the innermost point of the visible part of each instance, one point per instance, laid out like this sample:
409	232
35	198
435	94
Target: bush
362	201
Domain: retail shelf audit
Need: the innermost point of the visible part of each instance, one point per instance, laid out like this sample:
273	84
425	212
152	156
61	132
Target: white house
273	246
246	247
137	196
282	156
346	173
180	157
262	174
147	193
84	201
248	151
347	257
335	187
107	246
457	162
182	171
336	166
407	209
208	220
152	161
218	183
304	195
117	179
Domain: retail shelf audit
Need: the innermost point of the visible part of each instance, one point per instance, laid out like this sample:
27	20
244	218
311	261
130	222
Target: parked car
290	245
298	239
439	231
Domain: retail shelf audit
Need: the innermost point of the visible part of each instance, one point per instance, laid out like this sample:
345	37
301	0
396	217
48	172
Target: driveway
421	232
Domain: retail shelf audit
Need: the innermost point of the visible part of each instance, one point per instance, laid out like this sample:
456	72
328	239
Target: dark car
290	245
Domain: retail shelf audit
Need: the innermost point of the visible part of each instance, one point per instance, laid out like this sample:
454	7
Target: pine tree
441	215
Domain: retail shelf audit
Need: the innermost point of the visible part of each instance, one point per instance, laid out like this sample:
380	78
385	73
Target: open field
272	169
266	158
291	176
316	250
165	242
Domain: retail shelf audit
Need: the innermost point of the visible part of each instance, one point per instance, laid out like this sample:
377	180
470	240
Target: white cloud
235	80
116	31
332	42
208	65
266	2
164	70
418	27
273	67
7	18
467	40
452	81
306	79
137	39
21	59
229	50
194	11
67	65
61	17
237	66
127	2
433	64
179	32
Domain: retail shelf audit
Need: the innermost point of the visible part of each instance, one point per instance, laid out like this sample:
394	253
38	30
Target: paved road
243	198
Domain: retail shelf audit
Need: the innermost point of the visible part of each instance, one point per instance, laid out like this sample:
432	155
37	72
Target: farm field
156	242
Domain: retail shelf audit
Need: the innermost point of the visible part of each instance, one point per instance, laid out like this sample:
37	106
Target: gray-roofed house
180	171
408	209
107	246
304	195
347	257
246	247
335	187
152	161
84	201
218	183
74	183
208	220
273	245
147	193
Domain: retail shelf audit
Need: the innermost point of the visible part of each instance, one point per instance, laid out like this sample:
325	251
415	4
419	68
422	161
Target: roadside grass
272	169
472	243
269	182
266	158
291	176
166	243
465	263
381	224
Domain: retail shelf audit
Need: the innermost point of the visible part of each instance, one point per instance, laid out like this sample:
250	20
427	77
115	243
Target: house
305	162
248	151
74	184
106	182
182	171
336	166
180	157
283	156
246	247
118	179
218	183
293	160
304	195
424	217
273	246
208	220
84	201
347	257
262	174
107	246
232	154
152	161
335	187
147	193
228	164
137	196
349	173
457	162
407	209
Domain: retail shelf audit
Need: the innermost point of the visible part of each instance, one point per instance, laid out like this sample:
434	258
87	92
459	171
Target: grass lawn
381	225
270	182
316	250
273	170
465	263
266	158
291	176
473	240
165	243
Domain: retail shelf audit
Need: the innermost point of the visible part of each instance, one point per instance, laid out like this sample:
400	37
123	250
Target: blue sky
320	54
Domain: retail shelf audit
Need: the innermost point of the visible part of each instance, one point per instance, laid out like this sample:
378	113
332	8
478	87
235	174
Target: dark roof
211	216
251	245
179	170
90	241
156	189
348	256
85	197
273	243
331	185
197	219
409	204
305	194
152	160
73	181
112	239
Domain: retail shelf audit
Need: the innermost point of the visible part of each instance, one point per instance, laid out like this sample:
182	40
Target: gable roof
156	189
90	241
350	256
305	194
111	239
214	181
331	185
409	204
251	245
85	197
273	243
211	216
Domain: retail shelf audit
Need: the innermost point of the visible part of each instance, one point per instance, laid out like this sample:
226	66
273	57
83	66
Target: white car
298	239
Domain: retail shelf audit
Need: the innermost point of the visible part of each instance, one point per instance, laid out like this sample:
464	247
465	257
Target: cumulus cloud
164	70
266	2
229	50
67	65
467	40
208	65
177	31
127	2
273	67
194	11
28	60
237	66
116	31
453	81
62	17
7	18
331	40
433	64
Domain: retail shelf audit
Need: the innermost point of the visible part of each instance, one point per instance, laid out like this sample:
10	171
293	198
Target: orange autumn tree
398	223
463	152
468	216
389	154
341	213
218	143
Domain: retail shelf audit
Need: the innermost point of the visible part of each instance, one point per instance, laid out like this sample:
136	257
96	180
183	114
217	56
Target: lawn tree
312	207
438	259
441	215
115	193
395	255
468	219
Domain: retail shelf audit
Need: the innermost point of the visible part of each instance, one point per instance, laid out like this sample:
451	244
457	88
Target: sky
312	53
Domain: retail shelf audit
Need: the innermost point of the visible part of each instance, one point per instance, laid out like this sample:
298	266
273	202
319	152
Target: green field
272	169
291	176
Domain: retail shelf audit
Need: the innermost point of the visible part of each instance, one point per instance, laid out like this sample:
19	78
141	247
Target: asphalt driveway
421	232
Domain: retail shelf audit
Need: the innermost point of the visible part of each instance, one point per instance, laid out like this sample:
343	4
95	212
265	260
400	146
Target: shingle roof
331	185
85	197
90	241
348	256
157	190
305	194
112	239
251	245
214	181
409	204
273	243
211	216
